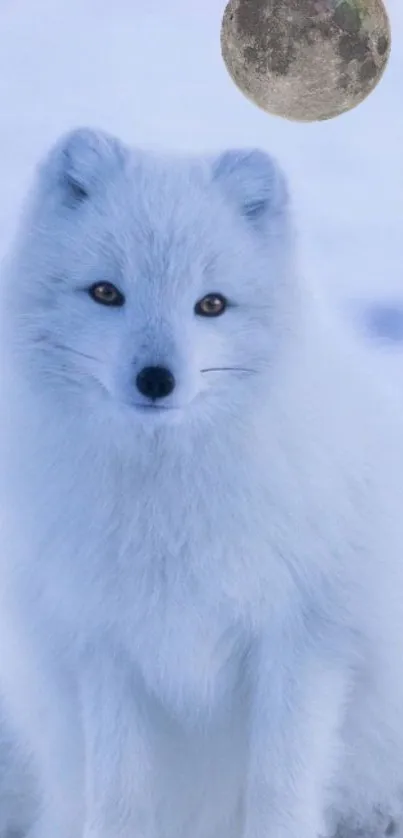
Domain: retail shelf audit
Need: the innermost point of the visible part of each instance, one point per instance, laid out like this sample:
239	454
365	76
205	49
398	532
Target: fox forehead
166	226
167	209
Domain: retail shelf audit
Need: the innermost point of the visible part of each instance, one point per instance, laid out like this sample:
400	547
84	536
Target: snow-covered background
151	71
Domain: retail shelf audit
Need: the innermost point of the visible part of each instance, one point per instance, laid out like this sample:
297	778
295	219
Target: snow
151	71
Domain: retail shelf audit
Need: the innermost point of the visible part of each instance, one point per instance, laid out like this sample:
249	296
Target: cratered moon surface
306	60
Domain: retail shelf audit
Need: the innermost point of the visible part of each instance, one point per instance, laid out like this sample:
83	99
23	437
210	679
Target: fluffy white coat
201	607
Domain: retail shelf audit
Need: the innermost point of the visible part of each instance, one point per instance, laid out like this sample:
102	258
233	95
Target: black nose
155	382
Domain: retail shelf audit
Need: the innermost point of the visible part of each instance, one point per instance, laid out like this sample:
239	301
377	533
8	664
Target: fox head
154	287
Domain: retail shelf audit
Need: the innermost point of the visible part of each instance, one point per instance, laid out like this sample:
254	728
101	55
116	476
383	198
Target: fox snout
155	382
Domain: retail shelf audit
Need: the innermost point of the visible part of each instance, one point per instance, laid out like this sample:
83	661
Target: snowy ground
151	71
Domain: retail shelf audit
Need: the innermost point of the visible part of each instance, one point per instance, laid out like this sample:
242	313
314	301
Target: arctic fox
201	573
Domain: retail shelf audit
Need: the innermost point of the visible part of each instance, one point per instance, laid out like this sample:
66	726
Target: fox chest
189	653
187	622
178	593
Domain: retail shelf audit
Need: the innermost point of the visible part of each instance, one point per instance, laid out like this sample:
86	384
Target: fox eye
106	294
212	305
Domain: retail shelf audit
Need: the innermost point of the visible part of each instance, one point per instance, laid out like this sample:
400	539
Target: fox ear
79	161
253	181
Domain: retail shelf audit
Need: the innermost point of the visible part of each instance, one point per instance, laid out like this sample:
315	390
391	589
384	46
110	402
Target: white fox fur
201	608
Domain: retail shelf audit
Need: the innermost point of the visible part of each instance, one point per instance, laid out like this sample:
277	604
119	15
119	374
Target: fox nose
155	382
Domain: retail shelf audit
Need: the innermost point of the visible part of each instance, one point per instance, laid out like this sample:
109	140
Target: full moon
306	60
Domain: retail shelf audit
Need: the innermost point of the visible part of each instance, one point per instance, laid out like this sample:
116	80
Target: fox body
201	610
